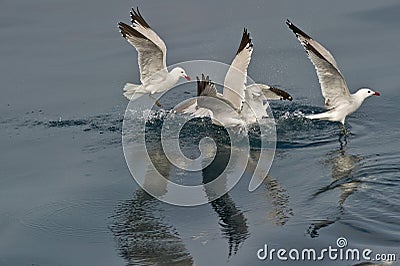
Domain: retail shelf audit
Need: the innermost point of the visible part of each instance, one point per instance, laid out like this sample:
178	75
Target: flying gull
338	100
152	52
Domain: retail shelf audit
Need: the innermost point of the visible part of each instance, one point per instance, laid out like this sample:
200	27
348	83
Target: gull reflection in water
232	221
143	236
343	166
140	228
281	211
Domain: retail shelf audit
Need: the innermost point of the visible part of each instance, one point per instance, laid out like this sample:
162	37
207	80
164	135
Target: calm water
67	196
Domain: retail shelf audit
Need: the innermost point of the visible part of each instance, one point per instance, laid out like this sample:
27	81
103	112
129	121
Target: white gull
247	101
338	100
152	52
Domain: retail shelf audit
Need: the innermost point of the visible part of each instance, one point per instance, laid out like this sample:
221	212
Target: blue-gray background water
67	196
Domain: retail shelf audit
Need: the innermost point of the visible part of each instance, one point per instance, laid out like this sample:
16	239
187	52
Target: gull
248	101
152	52
338	100
222	111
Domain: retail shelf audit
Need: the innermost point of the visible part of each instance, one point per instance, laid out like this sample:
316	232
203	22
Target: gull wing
221	111
333	86
268	92
191	107
205	87
235	79
150	47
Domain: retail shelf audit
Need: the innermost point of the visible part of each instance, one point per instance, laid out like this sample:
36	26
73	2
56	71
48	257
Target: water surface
67	196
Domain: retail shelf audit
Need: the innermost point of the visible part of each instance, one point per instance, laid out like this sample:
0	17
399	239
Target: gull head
180	72
365	92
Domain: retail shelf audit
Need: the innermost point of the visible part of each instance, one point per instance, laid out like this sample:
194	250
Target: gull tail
321	116
130	91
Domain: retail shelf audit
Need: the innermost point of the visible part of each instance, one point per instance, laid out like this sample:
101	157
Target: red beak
377	94
187	78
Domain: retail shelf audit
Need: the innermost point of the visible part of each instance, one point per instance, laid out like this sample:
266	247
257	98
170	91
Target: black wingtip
202	84
136	17
127	30
296	30
290	25
309	48
123	29
198	86
246	40
283	94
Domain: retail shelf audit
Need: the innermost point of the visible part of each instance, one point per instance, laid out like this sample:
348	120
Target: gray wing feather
333	86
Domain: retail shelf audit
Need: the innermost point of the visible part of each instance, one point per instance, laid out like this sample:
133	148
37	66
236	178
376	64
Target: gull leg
340	136
344	131
155	101
341	132
343	143
344	135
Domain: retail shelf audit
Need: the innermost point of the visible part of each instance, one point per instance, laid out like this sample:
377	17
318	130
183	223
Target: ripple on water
70	219
377	203
368	202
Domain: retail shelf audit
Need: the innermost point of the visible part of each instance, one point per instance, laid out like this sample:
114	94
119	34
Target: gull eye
182	72
369	91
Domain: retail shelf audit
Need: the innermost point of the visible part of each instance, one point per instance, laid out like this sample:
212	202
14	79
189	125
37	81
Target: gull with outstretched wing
152	53
246	100
338	100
